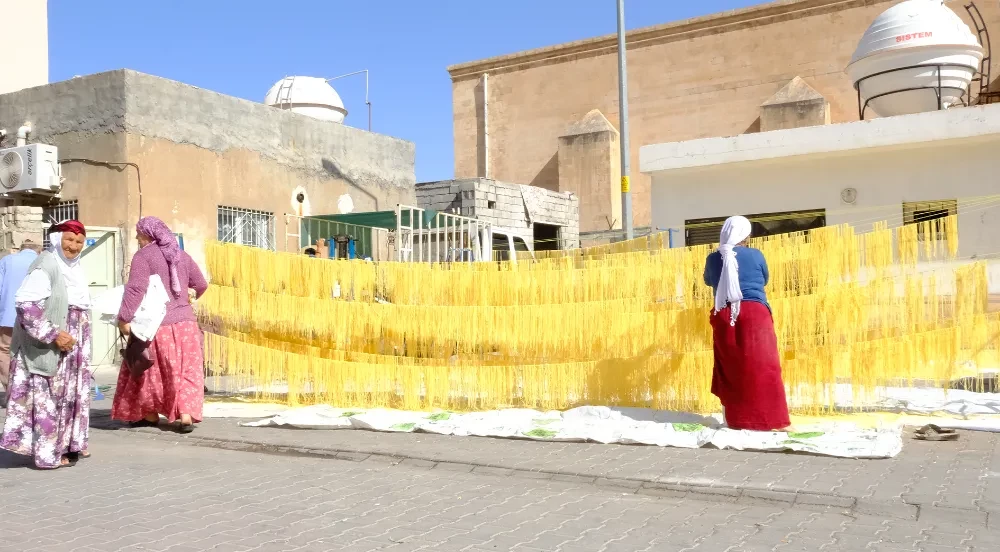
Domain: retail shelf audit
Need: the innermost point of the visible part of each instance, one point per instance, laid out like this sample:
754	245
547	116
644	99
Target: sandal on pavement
933	432
143	423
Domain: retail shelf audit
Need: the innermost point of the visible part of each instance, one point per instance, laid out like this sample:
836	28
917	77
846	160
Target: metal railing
441	237
369	242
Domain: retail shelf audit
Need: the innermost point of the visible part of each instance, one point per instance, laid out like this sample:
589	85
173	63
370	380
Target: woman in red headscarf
174	385
48	403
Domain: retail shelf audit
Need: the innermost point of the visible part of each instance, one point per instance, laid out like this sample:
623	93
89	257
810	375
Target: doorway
99	264
546	237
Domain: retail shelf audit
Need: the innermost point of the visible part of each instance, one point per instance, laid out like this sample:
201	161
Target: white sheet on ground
920	400
602	425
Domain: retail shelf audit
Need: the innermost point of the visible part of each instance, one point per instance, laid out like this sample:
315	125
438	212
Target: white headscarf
734	230
36	286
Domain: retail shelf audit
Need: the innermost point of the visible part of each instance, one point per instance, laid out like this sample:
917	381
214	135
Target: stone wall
18	223
699	78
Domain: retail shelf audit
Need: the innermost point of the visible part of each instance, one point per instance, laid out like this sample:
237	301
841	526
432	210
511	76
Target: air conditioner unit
31	169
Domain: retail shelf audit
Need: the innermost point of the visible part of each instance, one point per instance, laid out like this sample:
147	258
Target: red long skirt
173	385
747	374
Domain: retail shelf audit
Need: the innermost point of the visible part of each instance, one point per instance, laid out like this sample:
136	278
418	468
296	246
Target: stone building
211	166
518	117
533	218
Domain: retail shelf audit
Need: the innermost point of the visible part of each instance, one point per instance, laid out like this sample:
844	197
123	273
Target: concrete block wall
511	208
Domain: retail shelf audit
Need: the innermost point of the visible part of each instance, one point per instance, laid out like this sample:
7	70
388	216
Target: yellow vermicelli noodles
623	324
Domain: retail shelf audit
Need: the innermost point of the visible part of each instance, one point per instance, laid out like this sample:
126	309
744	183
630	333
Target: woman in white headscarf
48	403
747	373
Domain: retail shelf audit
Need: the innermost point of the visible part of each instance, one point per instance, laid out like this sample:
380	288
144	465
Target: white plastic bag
150	314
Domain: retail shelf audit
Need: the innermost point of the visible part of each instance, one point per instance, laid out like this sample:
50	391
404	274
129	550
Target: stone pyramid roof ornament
594	121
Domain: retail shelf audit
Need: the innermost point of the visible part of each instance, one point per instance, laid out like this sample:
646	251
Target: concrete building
537	218
778	65
896	169
210	165
25	62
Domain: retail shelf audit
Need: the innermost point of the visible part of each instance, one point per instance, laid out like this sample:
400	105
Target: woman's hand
65	342
125	328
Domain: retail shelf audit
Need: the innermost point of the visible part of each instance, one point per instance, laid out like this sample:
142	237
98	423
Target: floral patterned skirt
174	385
48	417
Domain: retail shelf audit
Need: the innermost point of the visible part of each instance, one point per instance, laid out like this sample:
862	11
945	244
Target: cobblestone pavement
962	476
140	492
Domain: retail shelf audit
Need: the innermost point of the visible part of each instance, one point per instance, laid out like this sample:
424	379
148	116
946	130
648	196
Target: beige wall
184	185
700	78
25	59
101	191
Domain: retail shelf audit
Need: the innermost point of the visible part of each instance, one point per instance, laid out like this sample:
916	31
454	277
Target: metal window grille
58	212
917	212
246	227
706	231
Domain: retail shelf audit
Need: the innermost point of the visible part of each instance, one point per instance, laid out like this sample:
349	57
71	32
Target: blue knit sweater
752	271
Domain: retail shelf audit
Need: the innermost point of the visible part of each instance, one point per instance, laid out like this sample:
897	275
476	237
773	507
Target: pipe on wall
486	125
22	135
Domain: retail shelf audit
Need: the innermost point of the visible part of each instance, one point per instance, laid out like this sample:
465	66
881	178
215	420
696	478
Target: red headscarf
73	226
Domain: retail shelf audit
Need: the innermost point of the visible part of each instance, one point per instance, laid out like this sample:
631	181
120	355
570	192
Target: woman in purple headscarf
174	385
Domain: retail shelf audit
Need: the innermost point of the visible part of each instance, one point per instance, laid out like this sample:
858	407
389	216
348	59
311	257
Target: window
917	212
64	210
58	212
706	231
246	227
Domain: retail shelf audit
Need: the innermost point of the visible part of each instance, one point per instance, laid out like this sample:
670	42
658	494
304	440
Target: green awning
379	219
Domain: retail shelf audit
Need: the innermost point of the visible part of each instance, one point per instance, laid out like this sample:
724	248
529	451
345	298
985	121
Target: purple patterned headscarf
167	242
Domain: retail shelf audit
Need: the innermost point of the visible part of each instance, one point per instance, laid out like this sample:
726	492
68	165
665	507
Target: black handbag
136	356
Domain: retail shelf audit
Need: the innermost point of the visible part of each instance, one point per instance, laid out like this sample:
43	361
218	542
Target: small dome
915	23
311	96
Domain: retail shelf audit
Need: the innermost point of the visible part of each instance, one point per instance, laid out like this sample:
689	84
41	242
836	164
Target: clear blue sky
242	47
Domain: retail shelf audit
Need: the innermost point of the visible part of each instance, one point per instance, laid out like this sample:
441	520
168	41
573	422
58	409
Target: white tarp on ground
921	400
953	408
602	425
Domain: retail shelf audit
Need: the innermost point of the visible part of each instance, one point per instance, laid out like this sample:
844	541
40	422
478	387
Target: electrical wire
117	165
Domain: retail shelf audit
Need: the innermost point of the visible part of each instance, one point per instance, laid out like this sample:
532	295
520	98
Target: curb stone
655	487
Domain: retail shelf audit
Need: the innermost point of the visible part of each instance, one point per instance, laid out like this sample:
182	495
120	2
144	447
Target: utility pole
623	125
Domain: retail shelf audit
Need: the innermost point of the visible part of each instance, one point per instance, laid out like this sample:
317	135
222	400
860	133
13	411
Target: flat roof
905	130
763	14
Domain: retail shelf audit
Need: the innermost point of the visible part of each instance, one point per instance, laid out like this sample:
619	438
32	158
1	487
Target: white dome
311	96
923	33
